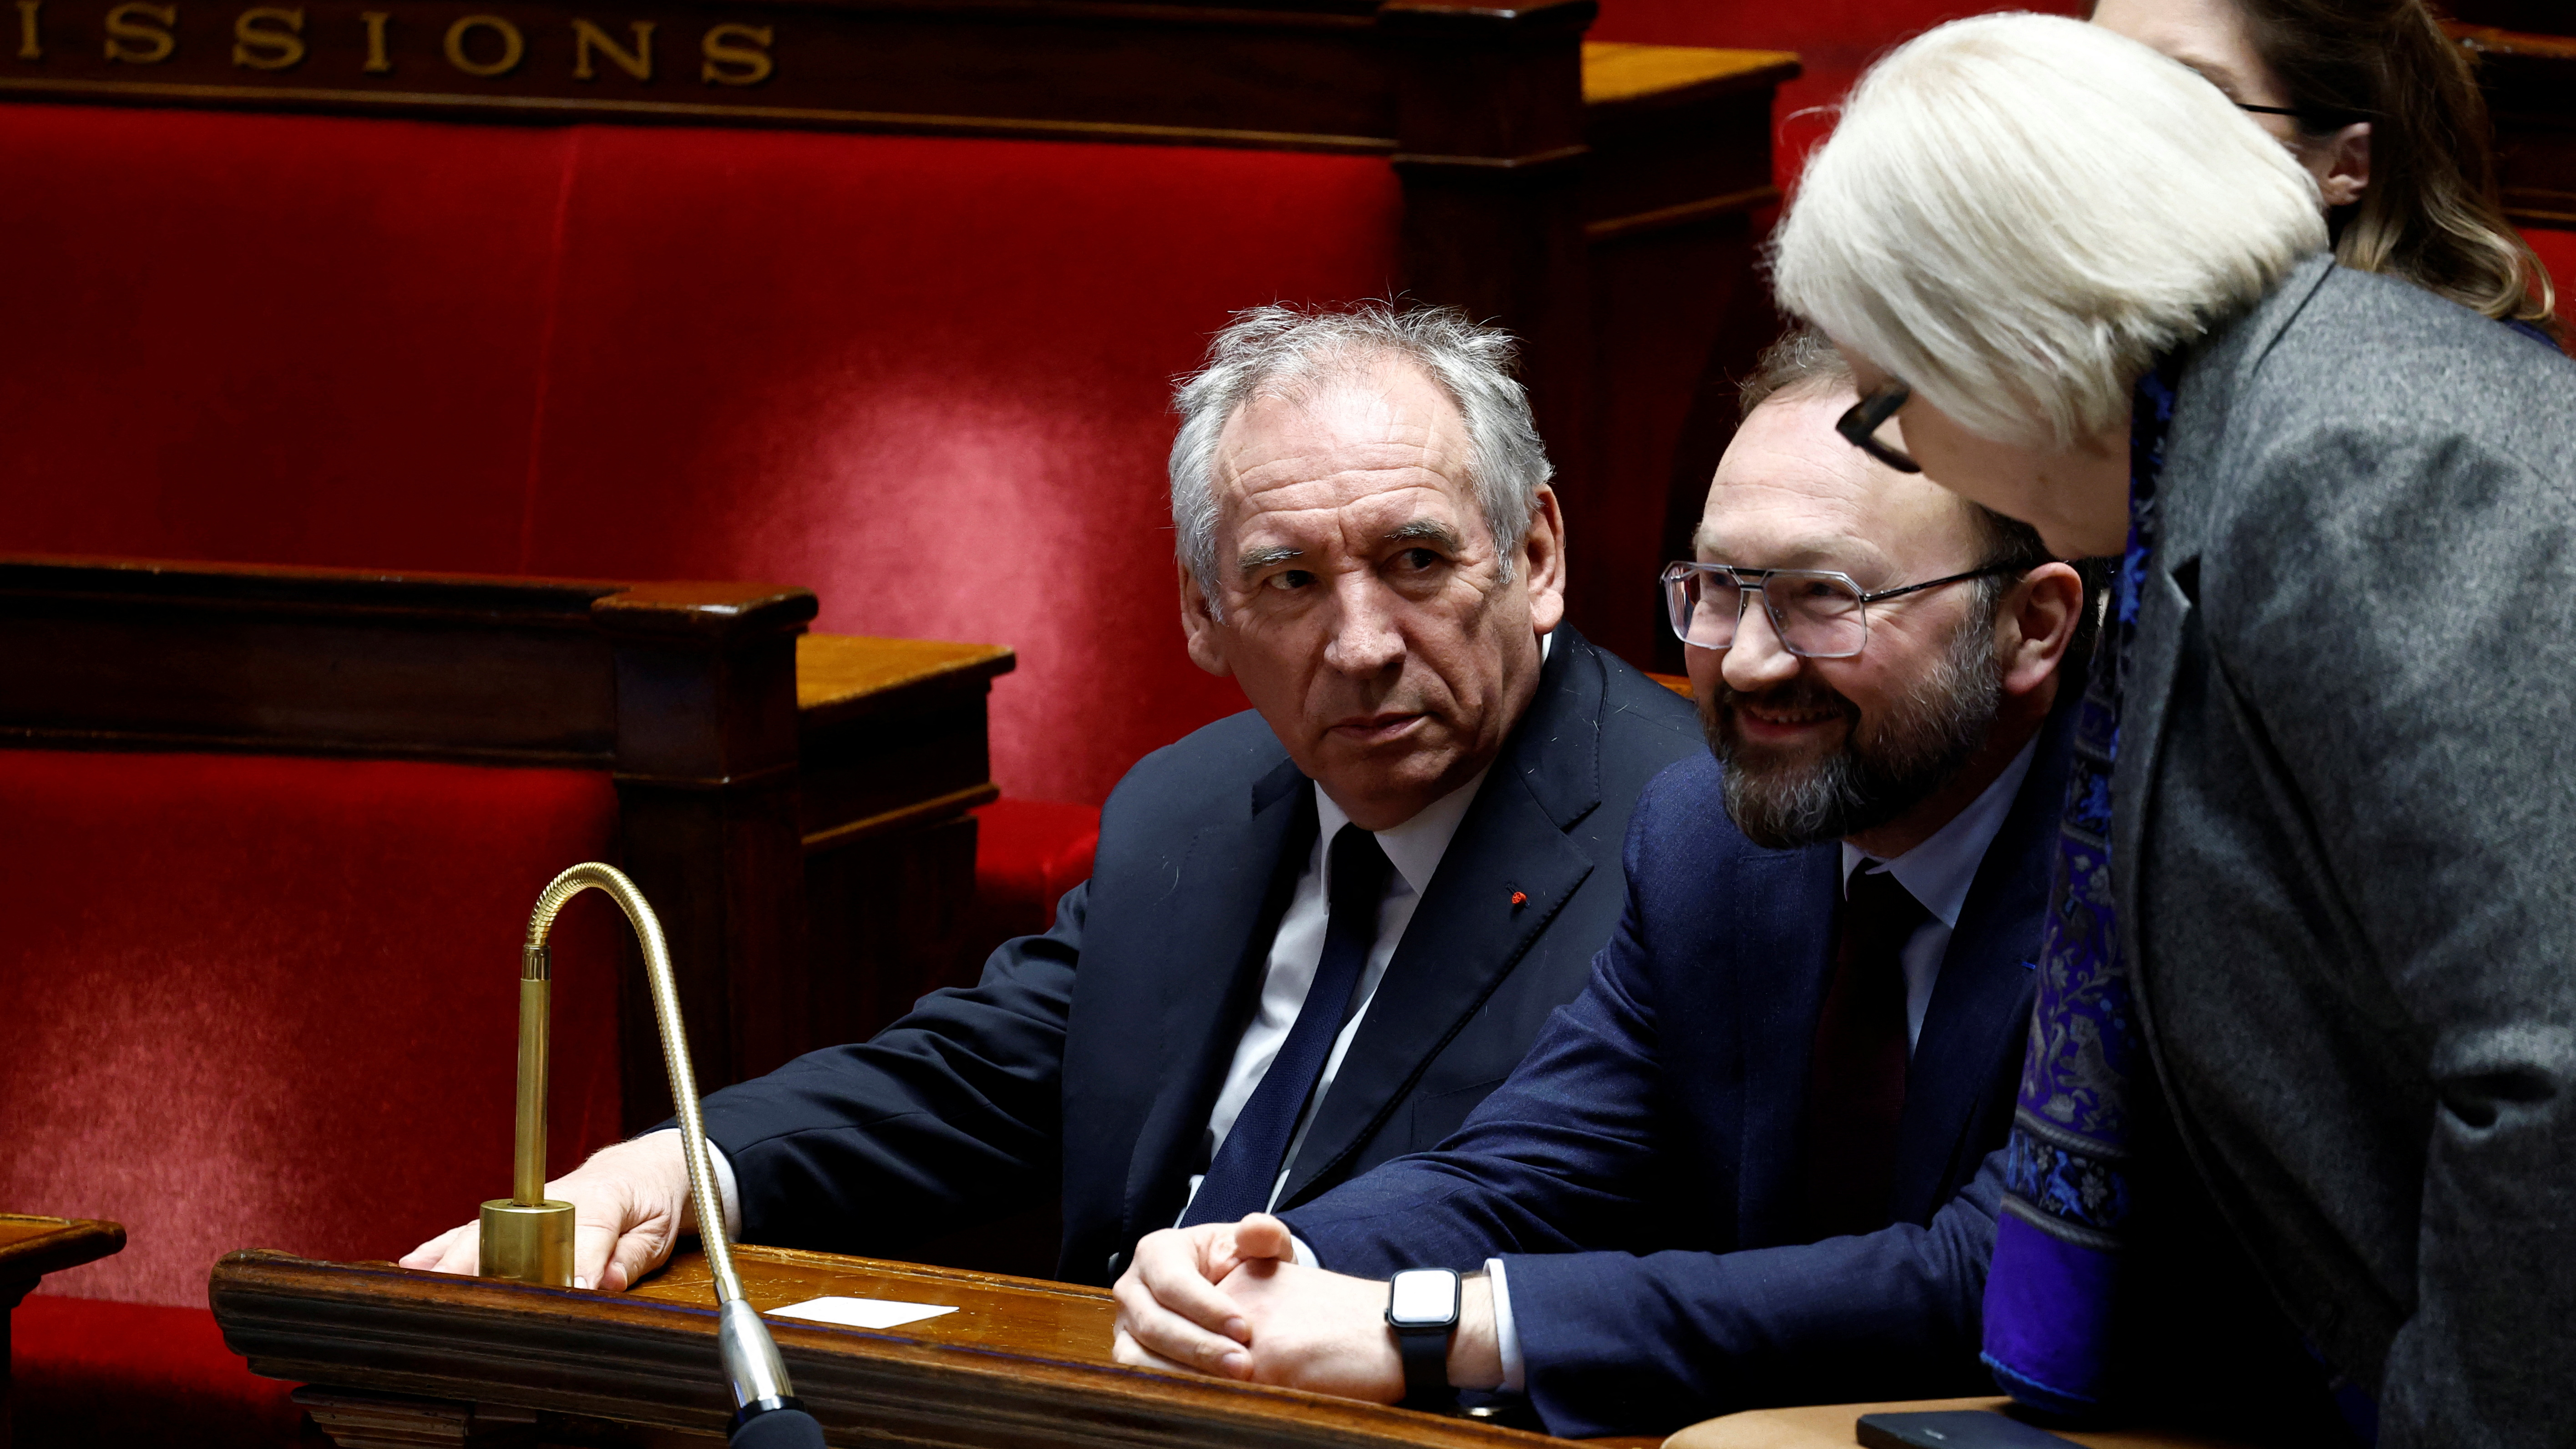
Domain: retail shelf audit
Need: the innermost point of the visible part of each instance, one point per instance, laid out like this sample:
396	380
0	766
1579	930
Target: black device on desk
1954	1429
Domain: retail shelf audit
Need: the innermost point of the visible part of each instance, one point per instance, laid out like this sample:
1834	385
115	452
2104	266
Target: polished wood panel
1279	75
1829	1426
840	676
893	755
30	1248
889	732
1671	130
2529	75
1020	1363
795	806
123	653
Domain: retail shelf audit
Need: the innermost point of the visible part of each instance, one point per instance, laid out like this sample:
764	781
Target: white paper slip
861	1312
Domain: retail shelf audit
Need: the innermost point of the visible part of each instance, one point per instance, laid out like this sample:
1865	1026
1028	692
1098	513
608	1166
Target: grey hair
1287	352
2018	214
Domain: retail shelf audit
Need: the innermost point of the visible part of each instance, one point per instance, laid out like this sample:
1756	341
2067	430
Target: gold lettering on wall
731	64
638	63
514	46
375	20
259	47
126	24
28	49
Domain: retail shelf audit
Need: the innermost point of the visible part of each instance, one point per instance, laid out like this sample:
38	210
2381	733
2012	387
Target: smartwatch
1422	1310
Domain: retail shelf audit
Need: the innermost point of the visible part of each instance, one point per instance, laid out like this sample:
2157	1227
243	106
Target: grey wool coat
2345	837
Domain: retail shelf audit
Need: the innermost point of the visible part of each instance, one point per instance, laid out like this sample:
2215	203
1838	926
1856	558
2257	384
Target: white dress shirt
1297	951
1937	873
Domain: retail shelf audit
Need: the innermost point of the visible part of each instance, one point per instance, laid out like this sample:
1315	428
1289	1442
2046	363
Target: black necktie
1856	1080
1246	1168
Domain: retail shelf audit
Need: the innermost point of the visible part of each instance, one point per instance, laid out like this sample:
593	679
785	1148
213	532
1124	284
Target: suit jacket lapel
2168	594
1979	1014
1466	935
1782	946
1233	886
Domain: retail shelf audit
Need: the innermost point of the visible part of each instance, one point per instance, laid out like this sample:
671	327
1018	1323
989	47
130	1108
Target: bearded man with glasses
1757	1161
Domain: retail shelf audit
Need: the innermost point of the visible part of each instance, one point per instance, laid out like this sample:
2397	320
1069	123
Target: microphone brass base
528	1244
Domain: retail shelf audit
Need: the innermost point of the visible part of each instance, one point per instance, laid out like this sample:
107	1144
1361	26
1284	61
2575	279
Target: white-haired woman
2317	893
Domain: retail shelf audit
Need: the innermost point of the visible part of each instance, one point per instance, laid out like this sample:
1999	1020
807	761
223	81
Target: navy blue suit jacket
1639	1174
1086	1060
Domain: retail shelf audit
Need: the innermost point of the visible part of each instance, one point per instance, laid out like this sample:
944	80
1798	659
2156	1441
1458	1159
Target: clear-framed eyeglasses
1816	613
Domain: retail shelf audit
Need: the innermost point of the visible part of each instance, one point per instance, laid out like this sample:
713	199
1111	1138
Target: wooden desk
1829	1426
891	755
398	1357
403	1358
31	1247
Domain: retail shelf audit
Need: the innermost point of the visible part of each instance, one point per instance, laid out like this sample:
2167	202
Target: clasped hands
1231	1300
1227	1299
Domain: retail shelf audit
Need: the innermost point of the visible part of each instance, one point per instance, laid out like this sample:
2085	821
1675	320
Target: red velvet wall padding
271	339
926	378
263	1002
2557	249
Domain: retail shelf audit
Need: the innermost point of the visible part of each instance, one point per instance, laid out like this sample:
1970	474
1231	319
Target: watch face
1423	1296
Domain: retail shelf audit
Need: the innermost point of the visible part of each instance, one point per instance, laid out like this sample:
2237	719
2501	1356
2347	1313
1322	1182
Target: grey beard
1868	782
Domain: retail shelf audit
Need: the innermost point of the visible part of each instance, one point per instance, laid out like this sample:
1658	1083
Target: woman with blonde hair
2381	107
2313	918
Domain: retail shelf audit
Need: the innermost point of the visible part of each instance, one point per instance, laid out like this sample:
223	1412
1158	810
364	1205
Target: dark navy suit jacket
1086	1060
1640	1173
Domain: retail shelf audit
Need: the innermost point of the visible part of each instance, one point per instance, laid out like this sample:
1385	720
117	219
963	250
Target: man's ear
1199	627
2347	173
1542	559
2036	623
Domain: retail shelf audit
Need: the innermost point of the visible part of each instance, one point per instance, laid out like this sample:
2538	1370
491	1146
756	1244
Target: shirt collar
1939	871
1415	847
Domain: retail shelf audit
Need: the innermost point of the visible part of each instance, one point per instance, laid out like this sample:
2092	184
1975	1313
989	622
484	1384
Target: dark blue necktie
1246	1168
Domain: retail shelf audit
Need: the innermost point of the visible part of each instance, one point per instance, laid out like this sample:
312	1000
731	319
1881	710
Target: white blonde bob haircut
2018	214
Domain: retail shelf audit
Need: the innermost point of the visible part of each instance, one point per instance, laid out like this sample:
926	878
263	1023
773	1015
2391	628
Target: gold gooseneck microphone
529	1238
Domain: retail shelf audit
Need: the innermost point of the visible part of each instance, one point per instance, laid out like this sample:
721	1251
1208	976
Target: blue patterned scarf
2055	1283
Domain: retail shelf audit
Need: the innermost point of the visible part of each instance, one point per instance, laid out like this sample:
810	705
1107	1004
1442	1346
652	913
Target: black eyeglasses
1817	614
2319	120
1860	423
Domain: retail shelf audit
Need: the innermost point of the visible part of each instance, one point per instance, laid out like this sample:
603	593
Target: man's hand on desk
631	1202
1230	1299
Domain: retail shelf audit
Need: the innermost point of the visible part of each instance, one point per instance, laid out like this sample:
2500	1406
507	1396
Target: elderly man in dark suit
1753	1162
1317	933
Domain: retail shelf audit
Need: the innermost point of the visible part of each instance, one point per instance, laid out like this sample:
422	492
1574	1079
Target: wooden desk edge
1618	74
839	675
32	1246
376	1328
1831	1426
